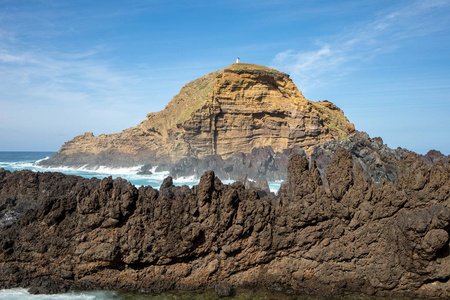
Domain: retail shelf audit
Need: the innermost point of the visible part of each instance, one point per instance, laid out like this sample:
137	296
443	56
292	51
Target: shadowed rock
64	232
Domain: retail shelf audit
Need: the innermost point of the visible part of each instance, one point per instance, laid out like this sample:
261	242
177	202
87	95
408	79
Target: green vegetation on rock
241	66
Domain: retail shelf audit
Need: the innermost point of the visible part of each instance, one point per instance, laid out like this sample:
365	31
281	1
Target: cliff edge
236	109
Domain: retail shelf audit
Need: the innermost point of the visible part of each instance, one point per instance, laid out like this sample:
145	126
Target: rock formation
261	163
388	238
227	112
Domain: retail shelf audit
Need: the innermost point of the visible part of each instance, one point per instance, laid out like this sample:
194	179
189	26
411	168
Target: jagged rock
376	158
261	185
261	164
352	235
432	157
145	170
339	173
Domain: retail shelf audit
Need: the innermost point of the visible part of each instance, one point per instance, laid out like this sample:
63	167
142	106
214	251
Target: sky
69	67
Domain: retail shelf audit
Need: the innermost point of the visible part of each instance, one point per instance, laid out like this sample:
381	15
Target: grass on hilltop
241	66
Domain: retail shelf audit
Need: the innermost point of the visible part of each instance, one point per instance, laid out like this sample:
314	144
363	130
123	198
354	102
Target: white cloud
333	59
8	58
52	92
46	74
308	66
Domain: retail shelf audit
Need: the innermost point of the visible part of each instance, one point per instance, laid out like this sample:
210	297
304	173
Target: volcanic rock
262	163
355	235
145	170
378	160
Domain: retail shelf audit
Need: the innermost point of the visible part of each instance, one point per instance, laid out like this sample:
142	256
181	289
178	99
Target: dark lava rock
261	164
145	170
376	158
353	228
432	157
260	185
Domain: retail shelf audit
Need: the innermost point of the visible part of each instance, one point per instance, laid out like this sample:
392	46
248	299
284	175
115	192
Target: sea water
22	294
240	294
29	161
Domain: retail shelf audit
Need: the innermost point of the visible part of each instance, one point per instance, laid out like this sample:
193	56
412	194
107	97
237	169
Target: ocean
22	294
28	160
240	294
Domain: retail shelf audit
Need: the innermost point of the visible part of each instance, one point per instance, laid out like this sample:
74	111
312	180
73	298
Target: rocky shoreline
263	163
347	233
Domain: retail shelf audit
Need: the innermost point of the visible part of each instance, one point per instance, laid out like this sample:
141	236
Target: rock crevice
60	232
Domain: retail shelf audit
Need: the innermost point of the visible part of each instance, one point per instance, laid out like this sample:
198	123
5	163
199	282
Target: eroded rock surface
352	235
226	112
261	163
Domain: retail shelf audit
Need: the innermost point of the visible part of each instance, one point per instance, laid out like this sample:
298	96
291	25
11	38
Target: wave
186	179
85	168
130	173
41	160
274	186
17	165
23	294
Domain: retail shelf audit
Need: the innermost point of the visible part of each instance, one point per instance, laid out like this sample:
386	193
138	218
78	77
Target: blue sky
67	67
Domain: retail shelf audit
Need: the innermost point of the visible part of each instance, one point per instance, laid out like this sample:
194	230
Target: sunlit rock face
232	110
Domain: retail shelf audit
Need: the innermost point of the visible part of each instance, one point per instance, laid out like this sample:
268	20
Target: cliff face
232	110
59	232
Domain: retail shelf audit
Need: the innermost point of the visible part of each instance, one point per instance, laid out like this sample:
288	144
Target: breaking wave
17	161
23	294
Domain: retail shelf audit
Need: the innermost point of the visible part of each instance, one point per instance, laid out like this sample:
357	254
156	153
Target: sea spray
23	294
30	161
205	294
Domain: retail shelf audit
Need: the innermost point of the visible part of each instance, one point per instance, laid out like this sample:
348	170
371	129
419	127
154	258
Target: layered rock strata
60	232
233	110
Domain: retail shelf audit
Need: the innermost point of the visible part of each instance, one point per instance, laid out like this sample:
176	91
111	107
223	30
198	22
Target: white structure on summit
237	60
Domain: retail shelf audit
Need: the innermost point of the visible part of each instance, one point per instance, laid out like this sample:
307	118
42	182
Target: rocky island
244	119
352	216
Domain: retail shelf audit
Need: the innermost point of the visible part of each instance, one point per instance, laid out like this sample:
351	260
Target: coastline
240	293
106	234
14	160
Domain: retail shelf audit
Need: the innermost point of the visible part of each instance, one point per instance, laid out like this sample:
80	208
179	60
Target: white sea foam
41	160
115	171
158	175
98	169
275	186
17	165
155	179
23	294
228	181
185	179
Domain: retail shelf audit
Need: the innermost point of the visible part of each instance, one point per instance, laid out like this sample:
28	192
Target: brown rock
339	173
233	110
389	238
